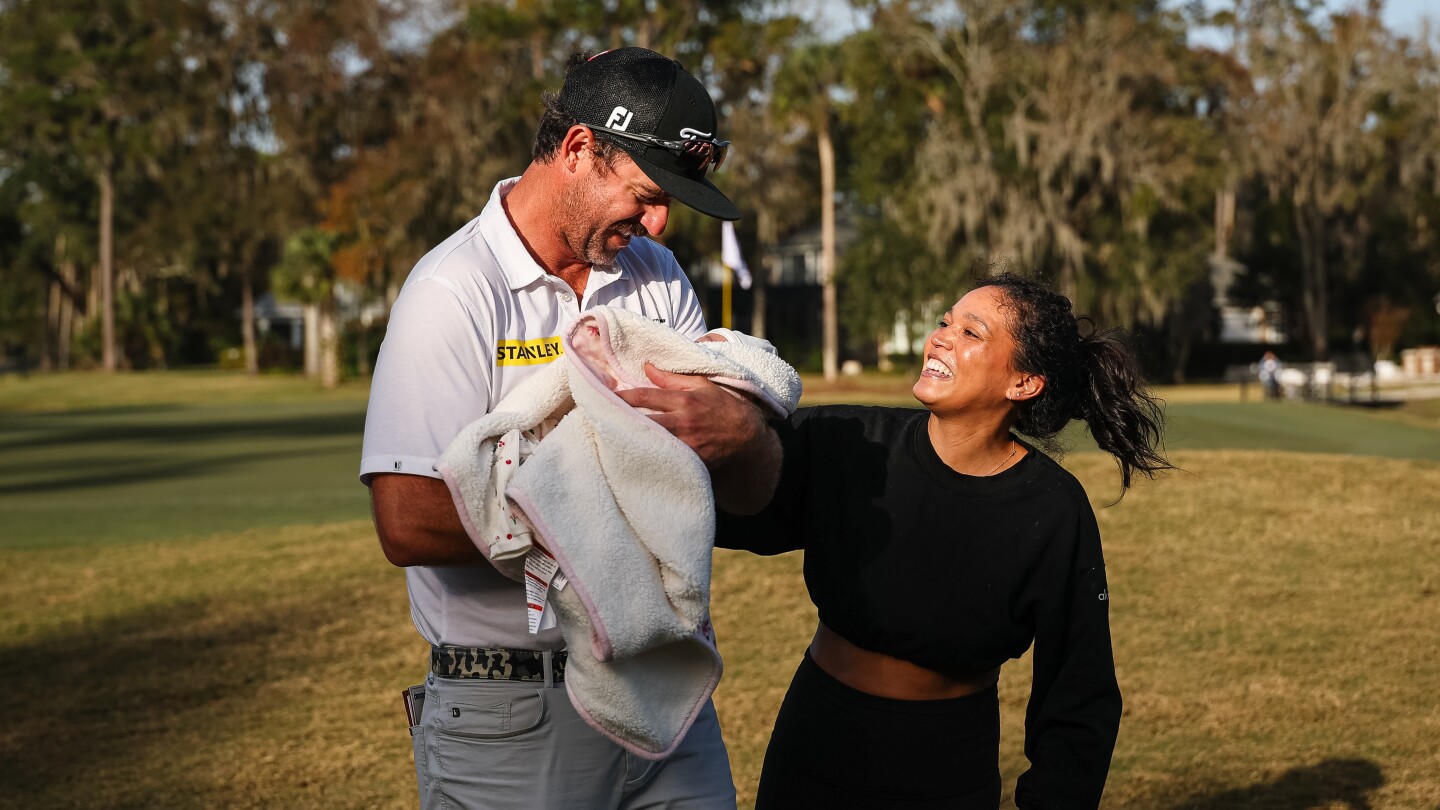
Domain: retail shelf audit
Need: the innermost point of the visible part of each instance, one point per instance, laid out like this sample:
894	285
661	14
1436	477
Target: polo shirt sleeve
432	378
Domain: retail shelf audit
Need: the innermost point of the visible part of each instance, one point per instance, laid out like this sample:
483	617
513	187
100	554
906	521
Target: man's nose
655	218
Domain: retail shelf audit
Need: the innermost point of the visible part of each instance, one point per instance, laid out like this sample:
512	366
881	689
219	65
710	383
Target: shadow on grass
121	694
54	431
98	473
1344	781
98	410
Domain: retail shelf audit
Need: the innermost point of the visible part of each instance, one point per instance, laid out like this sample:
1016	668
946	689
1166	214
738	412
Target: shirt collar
516	263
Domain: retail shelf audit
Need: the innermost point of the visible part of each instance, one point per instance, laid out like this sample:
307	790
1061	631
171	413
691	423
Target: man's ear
578	144
1025	386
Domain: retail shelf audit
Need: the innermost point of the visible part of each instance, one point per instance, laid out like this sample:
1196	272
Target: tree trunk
312	340
537	55
59	311
1069	287
67	323
1225	217
830	348
761	277
49	352
329	344
883	363
109	355
1312	279
247	320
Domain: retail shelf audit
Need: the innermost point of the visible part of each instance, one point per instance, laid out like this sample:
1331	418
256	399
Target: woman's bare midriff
884	676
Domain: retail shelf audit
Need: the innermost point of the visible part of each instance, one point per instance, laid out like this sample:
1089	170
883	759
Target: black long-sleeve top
956	573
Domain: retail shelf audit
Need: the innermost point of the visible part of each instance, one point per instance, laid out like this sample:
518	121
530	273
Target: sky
836	18
1404	16
1401	17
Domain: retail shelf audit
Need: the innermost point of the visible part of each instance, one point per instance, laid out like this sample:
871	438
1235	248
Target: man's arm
728	432
417	523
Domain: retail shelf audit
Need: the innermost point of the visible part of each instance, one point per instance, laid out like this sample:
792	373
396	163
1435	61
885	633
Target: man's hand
715	423
727	431
417	523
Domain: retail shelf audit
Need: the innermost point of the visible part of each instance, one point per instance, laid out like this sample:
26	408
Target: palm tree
803	94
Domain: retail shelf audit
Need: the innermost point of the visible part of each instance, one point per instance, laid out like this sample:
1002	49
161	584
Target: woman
939	545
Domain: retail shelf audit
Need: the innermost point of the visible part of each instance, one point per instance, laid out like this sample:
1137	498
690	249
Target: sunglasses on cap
695	154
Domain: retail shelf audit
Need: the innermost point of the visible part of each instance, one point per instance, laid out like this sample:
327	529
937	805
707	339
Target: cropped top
956	573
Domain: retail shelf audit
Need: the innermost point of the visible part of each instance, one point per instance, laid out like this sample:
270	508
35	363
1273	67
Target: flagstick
725	297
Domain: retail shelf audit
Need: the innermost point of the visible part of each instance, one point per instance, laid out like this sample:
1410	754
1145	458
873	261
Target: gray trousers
499	745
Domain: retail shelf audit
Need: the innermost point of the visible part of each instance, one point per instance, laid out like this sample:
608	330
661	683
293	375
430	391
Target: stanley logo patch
528	352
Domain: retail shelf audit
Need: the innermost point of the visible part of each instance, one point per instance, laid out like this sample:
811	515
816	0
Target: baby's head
723	335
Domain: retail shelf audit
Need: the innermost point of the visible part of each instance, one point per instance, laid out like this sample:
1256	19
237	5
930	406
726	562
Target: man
629	132
1270	375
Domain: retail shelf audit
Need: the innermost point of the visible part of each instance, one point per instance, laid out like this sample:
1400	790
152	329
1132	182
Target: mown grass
251	669
145	472
81	390
1275	616
1275	619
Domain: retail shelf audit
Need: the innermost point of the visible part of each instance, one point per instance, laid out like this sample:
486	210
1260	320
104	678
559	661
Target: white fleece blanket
625	508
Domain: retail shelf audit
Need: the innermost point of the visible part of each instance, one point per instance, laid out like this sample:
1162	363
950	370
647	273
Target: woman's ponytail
1124	419
1092	377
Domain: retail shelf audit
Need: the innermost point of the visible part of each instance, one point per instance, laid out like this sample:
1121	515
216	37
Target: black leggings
837	747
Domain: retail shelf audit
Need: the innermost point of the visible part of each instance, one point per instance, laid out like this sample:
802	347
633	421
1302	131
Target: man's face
605	206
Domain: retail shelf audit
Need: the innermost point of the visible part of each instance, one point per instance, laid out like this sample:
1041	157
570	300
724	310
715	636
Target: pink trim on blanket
690	716
452	483
581	356
610	362
599	638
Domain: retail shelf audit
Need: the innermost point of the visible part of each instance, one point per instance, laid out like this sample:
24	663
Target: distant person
1270	375
629	133
940	545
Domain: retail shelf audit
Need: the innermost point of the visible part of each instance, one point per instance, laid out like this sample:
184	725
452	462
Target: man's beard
586	239
596	247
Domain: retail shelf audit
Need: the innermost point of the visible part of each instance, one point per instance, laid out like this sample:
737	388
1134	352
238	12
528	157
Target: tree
803	92
767	173
1056	144
98	85
890	275
306	274
329	75
1309	125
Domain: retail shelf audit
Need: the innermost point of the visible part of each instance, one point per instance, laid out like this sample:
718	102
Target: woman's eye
971	333
941	324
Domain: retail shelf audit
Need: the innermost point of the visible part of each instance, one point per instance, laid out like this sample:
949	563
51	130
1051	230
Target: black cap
642	92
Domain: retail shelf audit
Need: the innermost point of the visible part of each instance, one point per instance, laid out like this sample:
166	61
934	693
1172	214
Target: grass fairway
1275	619
194	613
146	472
95	458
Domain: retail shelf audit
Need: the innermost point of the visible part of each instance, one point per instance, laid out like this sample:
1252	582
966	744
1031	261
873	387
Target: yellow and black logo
528	352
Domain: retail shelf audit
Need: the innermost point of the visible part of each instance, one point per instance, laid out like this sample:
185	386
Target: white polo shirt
476	317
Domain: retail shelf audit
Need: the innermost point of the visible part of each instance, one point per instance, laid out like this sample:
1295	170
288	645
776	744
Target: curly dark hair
557	121
1090	374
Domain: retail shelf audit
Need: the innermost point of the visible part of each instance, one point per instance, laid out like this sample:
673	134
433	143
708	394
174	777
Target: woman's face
968	358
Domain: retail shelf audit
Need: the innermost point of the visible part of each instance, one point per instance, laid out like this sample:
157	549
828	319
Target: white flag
730	254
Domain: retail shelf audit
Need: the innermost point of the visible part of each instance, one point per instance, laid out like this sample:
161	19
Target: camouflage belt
495	664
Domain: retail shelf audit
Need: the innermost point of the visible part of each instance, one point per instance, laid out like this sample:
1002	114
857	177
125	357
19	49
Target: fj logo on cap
620	119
